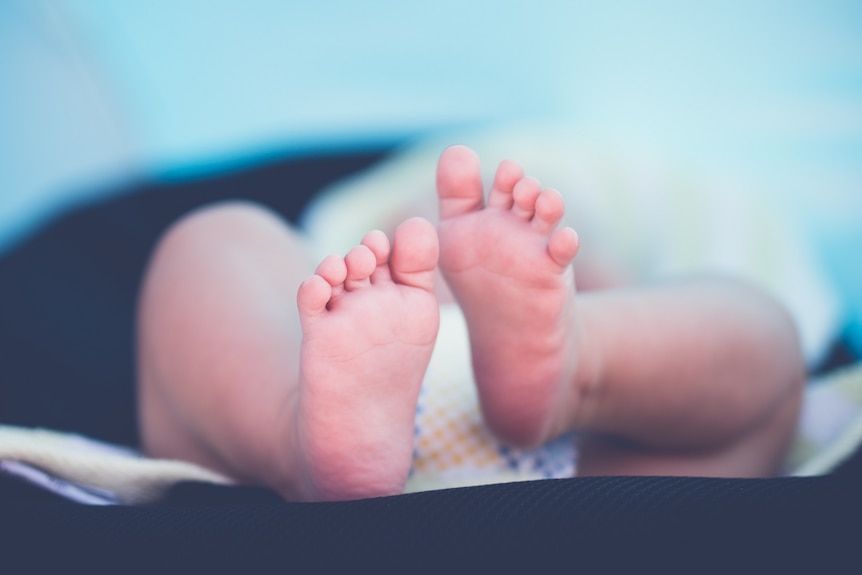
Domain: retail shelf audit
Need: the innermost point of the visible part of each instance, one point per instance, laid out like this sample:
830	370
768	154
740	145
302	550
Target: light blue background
96	92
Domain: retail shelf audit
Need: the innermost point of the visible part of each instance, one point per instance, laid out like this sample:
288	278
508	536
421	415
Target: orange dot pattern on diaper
450	434
452	446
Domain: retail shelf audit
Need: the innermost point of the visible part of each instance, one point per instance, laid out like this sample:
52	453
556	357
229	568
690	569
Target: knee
214	228
215	220
186	250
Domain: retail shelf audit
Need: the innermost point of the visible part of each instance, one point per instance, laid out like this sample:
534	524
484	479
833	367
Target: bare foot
369	323
510	270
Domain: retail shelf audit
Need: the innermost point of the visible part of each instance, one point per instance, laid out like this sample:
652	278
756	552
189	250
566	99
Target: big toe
459	181
414	254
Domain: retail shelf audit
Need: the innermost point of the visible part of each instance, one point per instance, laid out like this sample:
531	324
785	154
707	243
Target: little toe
459	182
563	246
414	254
525	194
508	174
360	262
549	211
313	296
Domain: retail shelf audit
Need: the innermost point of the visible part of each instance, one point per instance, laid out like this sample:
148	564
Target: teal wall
94	92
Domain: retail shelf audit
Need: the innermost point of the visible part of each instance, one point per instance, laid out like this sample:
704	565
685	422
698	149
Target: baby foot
369	323
510	270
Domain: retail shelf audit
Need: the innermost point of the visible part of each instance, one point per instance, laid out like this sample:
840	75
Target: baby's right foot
369	323
510	270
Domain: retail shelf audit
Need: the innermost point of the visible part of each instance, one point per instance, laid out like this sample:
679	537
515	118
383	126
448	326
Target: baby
253	363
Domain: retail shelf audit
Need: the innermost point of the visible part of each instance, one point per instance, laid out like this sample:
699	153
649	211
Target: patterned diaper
452	446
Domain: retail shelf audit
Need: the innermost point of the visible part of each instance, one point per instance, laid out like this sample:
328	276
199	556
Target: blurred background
98	93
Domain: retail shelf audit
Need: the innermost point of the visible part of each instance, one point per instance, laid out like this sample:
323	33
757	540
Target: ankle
580	409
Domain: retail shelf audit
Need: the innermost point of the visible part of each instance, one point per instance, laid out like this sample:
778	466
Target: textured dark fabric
697	525
67	298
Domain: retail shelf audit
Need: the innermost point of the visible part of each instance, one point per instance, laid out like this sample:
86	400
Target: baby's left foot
369	323
510	269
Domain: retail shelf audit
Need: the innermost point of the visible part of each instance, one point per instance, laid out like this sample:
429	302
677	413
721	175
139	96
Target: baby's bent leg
243	371
700	377
219	339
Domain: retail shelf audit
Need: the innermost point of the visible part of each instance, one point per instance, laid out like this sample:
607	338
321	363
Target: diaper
452	446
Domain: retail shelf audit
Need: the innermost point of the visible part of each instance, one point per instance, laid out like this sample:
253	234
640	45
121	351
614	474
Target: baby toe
509	173
414	254
563	246
549	211
525	194
360	262
313	296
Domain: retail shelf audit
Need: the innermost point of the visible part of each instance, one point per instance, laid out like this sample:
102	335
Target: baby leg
309	386
698	376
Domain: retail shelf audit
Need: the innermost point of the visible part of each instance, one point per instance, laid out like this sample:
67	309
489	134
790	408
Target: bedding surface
66	315
69	340
455	451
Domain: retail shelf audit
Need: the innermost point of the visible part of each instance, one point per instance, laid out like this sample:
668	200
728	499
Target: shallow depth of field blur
94	93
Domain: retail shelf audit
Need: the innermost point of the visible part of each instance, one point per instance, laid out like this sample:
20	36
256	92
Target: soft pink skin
697	376
509	268
251	365
369	323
